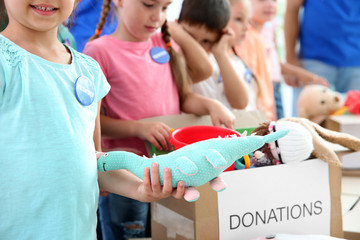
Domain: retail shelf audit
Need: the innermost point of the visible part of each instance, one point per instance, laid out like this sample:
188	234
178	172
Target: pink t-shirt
268	34
140	87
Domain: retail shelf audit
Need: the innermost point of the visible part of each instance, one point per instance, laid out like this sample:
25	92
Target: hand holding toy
194	164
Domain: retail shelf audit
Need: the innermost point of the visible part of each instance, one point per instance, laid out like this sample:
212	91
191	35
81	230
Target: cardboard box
352	222
351	163
344	123
351	207
287	208
301	198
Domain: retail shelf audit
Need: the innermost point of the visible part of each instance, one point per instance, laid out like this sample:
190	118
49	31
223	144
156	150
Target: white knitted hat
297	145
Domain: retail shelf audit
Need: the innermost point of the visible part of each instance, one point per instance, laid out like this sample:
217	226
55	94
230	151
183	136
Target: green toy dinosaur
194	164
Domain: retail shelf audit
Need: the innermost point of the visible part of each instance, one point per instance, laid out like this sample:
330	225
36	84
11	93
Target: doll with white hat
295	146
304	139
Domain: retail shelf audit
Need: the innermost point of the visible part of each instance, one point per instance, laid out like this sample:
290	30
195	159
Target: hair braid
104	13
177	64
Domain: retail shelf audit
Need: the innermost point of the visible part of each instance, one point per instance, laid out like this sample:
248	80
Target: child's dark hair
213	14
177	63
4	20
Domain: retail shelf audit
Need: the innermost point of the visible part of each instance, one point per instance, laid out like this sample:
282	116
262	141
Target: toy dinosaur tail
275	136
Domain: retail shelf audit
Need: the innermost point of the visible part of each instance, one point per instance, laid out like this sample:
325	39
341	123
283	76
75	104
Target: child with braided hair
146	81
50	99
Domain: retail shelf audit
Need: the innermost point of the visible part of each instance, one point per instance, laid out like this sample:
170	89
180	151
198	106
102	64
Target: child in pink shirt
148	78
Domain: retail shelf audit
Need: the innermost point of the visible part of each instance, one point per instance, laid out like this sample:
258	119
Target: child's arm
156	133
234	87
296	76
125	183
291	29
200	105
197	60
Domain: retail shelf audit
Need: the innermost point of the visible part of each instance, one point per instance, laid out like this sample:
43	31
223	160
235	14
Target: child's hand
302	77
221	115
151	190
223	45
157	133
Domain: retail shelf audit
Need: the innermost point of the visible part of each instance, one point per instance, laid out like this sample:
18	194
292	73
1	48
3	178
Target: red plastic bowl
187	135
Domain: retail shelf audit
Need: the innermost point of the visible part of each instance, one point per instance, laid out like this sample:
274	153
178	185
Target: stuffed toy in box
316	102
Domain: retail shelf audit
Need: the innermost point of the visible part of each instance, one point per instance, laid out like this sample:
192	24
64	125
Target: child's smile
44	9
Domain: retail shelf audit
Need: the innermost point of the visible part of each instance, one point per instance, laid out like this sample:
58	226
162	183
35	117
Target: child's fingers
216	122
178	193
155	182
167	187
322	81
230	124
162	141
231	32
154	142
165	139
226	29
146	179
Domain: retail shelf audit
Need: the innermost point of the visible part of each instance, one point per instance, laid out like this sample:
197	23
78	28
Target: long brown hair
177	63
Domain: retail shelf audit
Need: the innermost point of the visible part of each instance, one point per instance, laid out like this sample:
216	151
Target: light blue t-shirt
48	177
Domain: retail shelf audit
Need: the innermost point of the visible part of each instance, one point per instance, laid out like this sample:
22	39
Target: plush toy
316	102
260	159
194	164
352	102
298	149
296	146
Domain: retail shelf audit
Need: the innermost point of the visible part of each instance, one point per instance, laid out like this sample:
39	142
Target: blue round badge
248	75
84	90
159	55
